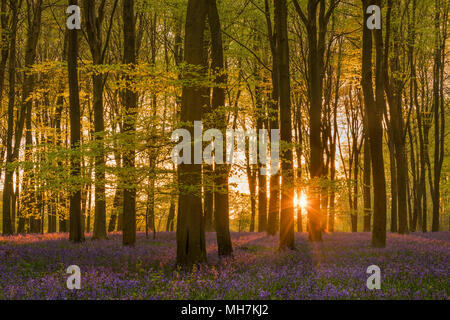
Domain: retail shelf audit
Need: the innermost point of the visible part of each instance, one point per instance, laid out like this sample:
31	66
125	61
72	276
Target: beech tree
94	16
130	101
76	231
374	106
287	159
190	223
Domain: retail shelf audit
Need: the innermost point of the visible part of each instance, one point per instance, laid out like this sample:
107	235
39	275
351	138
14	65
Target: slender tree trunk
117	209
129	127
35	12
218	101
287	163
274	180
393	170
251	176
367	181
76	233
262	178
10	157
171	216
315	115
93	27
374	106
298	153
439	108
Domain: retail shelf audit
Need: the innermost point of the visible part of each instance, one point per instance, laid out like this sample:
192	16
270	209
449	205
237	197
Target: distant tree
316	23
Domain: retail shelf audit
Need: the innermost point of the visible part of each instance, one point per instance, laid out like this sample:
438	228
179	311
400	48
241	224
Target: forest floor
416	266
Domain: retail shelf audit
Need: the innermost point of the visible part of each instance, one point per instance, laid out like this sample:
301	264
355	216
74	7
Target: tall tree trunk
129	127
10	157
59	206
315	114
34	11
190	228
93	27
218	101
274	180
438	107
299	154
287	163
76	233
374	106
393	87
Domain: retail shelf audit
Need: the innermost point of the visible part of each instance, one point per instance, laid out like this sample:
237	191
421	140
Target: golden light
301	201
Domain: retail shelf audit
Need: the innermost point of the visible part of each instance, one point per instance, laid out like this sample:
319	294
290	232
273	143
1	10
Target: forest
114	116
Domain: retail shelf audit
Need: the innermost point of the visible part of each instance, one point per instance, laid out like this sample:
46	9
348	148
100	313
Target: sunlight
302	201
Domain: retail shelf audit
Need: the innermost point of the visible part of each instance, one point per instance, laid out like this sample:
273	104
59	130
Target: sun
301	201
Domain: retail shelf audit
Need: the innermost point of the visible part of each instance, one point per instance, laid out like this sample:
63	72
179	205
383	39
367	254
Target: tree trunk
393	170
93	27
129	127
76	233
367	181
439	109
315	62
374	107
274	181
10	157
287	163
262	178
190	224
218	101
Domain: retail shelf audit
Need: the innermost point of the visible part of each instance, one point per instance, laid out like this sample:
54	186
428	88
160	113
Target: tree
287	159
11	154
94	18
438	106
76	231
130	99
374	106
273	112
317	12
34	15
394	88
218	102
190	223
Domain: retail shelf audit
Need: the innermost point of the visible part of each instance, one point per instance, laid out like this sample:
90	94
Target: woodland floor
416	266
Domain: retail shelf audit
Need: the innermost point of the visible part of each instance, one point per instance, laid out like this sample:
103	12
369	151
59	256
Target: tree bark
218	101
274	180
10	157
129	127
374	106
190	224
287	164
76	233
93	27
